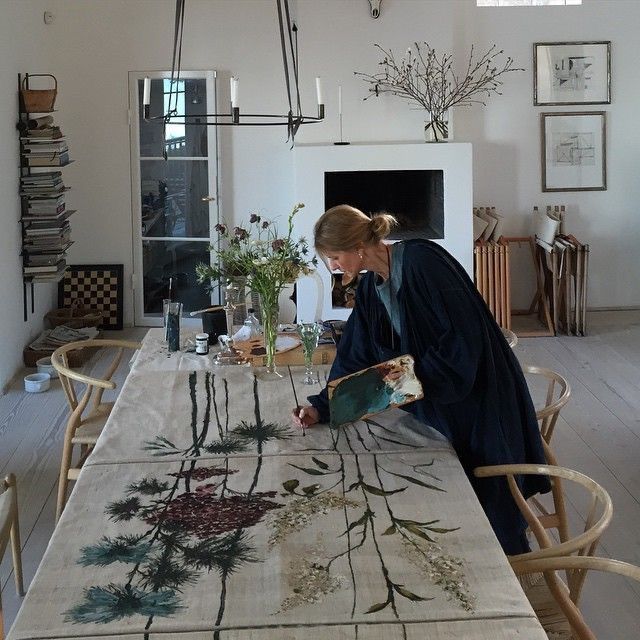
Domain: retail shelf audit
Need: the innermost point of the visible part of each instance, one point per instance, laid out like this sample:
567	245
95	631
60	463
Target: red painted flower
206	515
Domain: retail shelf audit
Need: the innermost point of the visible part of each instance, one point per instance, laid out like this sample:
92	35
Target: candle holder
309	333
229	355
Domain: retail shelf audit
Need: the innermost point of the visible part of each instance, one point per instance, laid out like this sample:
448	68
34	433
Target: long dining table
203	513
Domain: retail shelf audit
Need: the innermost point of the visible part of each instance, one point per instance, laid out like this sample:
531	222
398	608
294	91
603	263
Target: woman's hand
304	417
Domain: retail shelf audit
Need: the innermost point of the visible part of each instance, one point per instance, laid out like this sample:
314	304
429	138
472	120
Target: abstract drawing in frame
362	394
573	152
97	287
571	73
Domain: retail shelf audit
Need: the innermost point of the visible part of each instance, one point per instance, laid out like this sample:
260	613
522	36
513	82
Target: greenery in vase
266	260
430	81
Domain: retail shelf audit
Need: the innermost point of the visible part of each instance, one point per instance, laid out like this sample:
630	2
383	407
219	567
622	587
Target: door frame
212	157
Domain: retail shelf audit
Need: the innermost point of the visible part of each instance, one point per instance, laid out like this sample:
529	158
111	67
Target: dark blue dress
475	392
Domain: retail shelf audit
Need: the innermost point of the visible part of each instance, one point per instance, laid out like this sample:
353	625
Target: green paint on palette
359	395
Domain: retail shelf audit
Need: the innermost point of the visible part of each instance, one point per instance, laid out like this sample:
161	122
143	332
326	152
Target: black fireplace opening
415	197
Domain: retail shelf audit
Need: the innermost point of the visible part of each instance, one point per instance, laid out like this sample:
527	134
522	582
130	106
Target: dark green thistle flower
123	510
148	487
161	572
224	554
226	446
120	549
261	433
106	604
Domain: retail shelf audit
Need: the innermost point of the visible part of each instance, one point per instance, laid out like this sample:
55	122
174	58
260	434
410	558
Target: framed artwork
571	73
574	151
98	287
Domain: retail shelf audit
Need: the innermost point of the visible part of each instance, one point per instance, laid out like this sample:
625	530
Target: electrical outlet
49	18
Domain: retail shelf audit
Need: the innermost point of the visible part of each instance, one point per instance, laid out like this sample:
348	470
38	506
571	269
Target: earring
360	254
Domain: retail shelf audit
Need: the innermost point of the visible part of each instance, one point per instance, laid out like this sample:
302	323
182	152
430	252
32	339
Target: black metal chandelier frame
293	119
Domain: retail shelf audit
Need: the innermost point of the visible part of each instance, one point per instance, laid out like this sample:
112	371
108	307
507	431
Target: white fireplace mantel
311	162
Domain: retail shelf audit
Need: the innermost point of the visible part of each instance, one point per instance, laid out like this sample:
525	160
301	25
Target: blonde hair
345	228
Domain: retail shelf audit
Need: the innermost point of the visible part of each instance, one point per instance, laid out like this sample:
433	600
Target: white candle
234	91
146	94
339	100
319	90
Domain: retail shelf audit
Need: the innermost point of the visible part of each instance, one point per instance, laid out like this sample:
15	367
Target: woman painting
416	299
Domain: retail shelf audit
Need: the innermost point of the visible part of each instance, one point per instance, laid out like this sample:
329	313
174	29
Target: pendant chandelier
293	119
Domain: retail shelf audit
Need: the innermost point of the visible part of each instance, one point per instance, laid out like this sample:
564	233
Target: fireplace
427	186
414	196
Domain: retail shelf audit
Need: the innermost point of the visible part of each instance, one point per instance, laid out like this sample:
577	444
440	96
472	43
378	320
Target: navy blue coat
475	392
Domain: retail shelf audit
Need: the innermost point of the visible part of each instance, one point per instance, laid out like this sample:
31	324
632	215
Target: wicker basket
75	317
38	100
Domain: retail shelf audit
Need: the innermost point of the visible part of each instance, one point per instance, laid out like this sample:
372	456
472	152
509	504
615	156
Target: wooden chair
561	607
542	593
10	531
558	394
86	419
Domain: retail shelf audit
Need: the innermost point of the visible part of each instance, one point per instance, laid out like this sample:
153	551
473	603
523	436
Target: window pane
171	195
162	260
181	140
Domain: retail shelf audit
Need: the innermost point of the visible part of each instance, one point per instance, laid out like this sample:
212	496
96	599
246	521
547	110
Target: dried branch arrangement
423	78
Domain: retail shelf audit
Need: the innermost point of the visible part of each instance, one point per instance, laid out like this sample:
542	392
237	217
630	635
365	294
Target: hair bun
381	225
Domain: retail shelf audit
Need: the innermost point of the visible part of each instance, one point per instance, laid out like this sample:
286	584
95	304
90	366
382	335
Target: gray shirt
388	289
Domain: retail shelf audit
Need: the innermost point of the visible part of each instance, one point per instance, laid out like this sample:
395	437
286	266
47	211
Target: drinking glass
174	313
165	310
309	333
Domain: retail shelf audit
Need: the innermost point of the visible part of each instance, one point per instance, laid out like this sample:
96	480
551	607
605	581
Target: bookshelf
44	216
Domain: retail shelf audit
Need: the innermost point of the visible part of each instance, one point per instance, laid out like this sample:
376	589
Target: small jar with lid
202	344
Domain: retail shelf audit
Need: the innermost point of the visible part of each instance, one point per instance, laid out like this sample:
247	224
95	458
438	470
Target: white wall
94	43
21	50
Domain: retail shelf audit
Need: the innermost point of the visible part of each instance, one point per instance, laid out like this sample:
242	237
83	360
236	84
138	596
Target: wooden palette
365	393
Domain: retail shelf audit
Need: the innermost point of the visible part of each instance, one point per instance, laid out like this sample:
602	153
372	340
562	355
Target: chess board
96	286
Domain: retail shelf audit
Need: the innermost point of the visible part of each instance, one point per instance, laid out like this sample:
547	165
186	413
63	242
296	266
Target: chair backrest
572	565
94	386
557	395
585	543
8	509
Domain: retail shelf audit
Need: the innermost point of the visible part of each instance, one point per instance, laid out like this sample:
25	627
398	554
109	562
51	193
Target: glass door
175	201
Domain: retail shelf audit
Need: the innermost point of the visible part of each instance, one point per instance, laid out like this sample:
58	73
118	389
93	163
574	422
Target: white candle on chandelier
319	90
340	100
146	94
234	91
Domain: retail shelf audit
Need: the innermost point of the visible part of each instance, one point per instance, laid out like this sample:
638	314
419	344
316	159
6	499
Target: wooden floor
598	433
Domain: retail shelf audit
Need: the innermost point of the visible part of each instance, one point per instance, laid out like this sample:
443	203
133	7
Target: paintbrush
295	397
199	311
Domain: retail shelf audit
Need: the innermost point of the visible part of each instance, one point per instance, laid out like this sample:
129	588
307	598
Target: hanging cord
176	64
290	132
293	33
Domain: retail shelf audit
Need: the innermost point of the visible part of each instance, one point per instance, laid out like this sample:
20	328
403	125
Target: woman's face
348	261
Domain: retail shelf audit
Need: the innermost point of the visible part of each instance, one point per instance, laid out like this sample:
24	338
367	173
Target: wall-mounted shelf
44	217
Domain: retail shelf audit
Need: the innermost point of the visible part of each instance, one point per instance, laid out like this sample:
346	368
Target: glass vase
270	311
437	128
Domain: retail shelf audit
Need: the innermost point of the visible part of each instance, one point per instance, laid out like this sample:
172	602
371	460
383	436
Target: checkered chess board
97	287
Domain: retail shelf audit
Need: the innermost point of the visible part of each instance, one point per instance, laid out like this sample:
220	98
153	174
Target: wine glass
309	333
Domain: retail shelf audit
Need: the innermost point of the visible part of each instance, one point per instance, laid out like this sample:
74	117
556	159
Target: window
524	3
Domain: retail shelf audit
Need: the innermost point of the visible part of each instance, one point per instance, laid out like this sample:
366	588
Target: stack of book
45	152
46	229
